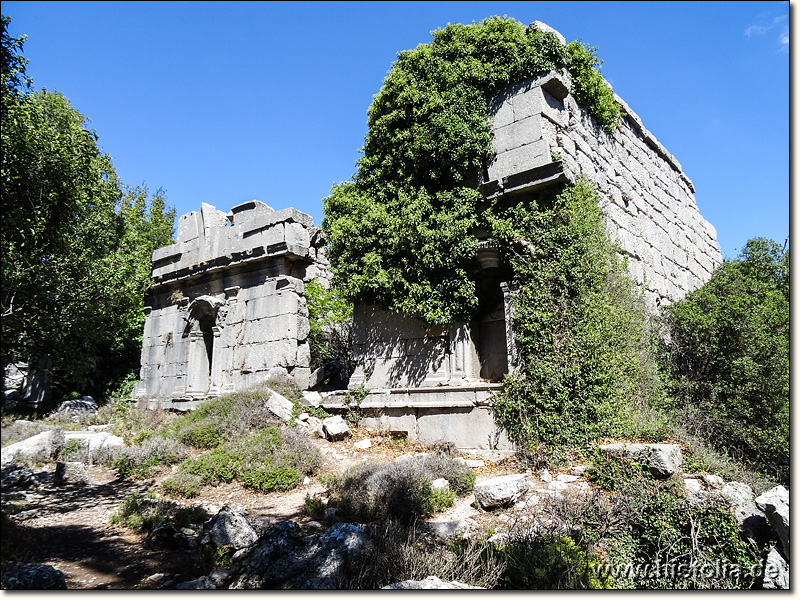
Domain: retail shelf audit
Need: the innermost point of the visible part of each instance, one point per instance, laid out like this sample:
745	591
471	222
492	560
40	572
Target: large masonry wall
228	310
649	200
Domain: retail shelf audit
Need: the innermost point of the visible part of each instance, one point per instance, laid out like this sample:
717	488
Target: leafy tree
726	357
401	233
75	251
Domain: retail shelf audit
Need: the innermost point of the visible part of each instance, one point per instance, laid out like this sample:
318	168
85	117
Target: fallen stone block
662	460
500	491
282	407
336	428
39	448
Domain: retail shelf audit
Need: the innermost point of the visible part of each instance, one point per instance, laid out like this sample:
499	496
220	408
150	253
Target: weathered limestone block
38	448
336	428
71	473
742	501
662	460
776	571
229	528
280	406
500	491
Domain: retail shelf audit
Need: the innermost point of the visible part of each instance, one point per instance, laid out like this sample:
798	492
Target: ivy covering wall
401	231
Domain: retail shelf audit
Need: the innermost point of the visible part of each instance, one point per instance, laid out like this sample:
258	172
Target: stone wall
542	137
227	310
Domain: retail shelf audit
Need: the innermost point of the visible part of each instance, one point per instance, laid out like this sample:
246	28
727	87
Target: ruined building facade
227	309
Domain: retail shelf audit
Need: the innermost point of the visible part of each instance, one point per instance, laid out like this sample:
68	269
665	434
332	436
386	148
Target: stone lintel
528	181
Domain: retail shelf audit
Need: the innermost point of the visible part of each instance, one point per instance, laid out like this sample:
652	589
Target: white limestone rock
775	504
38	448
282	407
336	428
71	473
500	491
776	571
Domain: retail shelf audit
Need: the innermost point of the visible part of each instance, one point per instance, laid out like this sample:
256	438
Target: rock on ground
430	583
39	448
21	576
662	460
776	571
500	491
229	528
775	504
285	559
336	428
742	500
280	406
71	473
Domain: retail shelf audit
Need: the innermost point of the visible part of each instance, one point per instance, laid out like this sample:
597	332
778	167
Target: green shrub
139	461
182	485
726	358
269	479
659	526
550	562
402	491
265	460
137	512
215	466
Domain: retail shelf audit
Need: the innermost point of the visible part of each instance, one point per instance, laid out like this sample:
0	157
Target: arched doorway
203	336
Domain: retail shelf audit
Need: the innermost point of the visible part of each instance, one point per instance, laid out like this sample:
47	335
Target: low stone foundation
461	415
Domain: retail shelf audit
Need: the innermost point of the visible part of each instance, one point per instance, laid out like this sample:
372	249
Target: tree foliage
726	357
401	232
76	246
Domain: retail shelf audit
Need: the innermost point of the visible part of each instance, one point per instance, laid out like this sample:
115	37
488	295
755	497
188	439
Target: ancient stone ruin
228	310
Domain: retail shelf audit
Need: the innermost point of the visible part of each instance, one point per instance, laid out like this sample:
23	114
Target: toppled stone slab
449	529
363	445
662	460
96	443
336	428
775	504
282	407
500	491
430	583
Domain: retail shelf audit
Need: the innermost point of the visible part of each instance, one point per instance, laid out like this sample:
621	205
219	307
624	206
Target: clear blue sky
223	102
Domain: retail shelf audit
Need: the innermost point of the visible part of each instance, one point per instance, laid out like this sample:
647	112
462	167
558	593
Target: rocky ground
70	527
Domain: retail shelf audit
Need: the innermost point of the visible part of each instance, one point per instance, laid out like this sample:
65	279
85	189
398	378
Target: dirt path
69	528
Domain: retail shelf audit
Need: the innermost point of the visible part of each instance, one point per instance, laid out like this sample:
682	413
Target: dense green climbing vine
585	351
401	232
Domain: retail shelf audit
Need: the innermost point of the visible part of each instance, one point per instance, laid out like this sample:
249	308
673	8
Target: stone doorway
203	332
